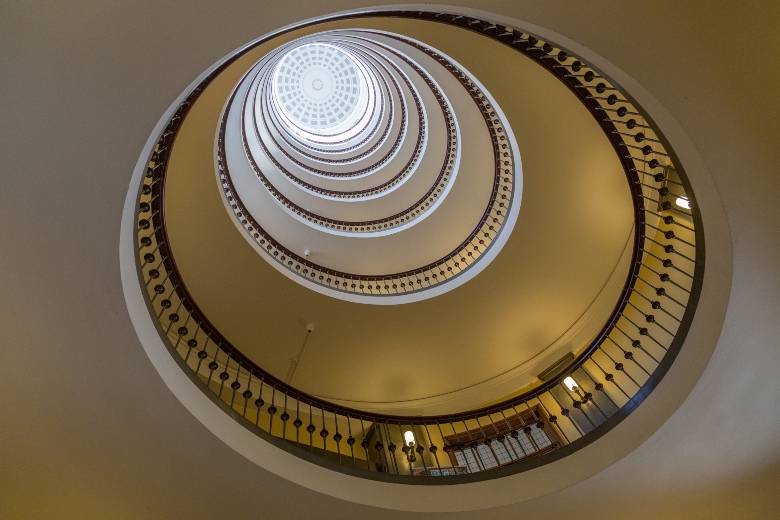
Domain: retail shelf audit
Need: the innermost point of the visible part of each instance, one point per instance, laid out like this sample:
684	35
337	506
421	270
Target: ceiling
519	315
89	430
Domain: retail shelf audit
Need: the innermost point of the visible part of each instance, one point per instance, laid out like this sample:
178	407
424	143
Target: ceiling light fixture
683	202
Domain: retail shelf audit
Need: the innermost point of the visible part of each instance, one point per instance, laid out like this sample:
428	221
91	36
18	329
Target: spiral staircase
427	260
380	179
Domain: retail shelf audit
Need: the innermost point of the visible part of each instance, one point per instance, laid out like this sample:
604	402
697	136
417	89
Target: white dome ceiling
318	87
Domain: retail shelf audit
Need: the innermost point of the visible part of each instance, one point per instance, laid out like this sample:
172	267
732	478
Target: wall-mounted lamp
572	385
683	202
409	447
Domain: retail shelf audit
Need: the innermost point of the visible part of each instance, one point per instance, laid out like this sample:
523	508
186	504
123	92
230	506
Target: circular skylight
318	87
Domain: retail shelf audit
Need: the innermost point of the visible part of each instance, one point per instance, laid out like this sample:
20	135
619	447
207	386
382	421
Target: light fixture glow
683	202
409	437
570	383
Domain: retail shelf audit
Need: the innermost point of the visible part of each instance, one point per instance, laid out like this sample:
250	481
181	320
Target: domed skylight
318	87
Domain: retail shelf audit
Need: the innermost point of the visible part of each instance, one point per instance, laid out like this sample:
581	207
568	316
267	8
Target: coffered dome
319	88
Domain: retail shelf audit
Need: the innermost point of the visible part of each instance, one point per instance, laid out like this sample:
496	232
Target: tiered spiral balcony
397	260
